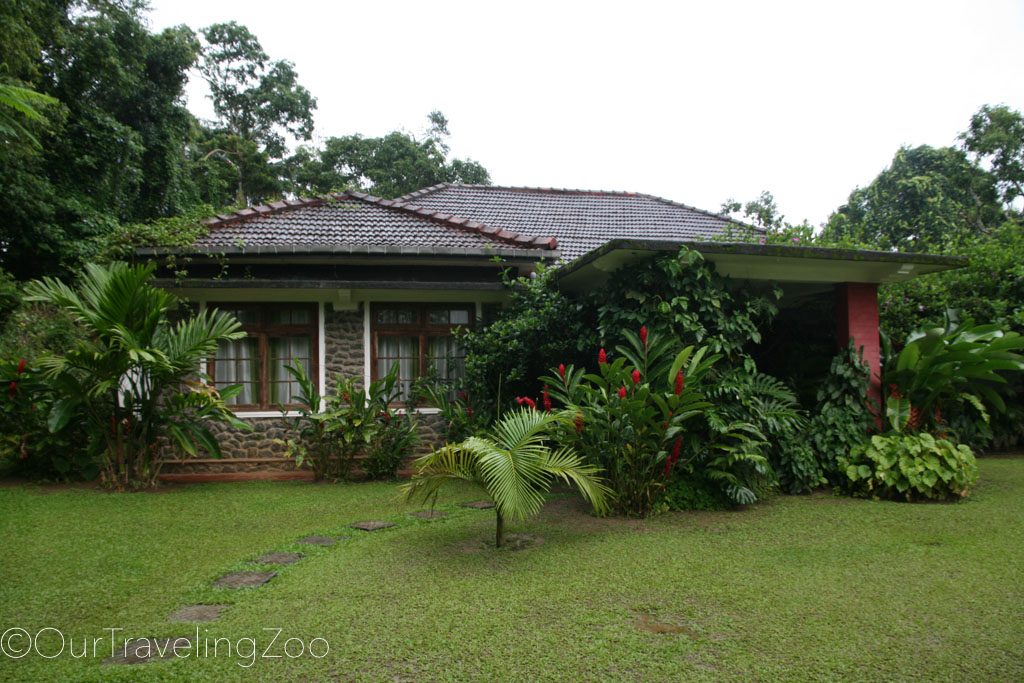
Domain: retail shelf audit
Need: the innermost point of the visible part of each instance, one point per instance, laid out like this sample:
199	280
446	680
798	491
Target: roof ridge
730	219
446	219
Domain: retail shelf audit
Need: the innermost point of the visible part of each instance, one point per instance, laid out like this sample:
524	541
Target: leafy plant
332	431
643	414
132	377
957	363
461	420
842	418
910	467
512	464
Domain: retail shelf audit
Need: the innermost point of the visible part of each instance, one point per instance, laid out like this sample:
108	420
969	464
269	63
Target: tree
388	166
131	377
19	109
762	212
512	464
259	104
928	199
996	136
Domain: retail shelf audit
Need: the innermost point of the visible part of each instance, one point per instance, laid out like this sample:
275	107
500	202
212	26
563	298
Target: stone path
278	558
244	579
194	613
372	525
318	540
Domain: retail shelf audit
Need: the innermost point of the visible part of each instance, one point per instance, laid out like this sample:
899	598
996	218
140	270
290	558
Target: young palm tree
513	465
133	376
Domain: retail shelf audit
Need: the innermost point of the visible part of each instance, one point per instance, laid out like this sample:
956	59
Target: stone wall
343	345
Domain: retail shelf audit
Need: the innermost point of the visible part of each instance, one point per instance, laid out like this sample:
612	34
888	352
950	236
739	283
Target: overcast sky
696	102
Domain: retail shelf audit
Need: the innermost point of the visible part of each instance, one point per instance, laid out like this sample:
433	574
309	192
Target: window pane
237	362
291	316
397	316
459	317
403	351
447	358
286	351
246	316
448	316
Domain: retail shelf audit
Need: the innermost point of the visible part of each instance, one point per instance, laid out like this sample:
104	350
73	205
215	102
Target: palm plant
513	464
133	377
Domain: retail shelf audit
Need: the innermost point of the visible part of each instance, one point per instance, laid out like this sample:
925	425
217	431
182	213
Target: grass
799	588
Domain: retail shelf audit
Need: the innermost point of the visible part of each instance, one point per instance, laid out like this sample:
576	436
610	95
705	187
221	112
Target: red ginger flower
561	370
526	401
21	366
12	389
636	377
546	399
602	357
622	392
469	411
680	382
643	335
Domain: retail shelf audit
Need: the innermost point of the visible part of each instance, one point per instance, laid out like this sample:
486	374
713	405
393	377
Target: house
351	284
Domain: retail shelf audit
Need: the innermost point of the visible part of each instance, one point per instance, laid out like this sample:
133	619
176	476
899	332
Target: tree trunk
499	536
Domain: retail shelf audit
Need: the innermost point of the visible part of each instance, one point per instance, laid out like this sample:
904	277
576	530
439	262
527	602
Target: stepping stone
143	650
372	526
480	505
244	579
429	514
317	540
198	613
278	558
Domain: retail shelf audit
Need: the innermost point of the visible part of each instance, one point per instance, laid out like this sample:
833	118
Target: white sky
693	101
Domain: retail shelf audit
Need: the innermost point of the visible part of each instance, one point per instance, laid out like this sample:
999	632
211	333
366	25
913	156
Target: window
419	339
276	335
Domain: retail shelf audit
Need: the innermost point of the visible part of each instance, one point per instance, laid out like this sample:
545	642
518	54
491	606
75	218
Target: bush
910	467
644	416
393	440
842	419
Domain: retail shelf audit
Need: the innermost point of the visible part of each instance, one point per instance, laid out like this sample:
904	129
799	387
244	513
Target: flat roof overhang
352	253
765	262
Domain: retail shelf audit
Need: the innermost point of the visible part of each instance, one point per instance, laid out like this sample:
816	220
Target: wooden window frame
263	330
422	328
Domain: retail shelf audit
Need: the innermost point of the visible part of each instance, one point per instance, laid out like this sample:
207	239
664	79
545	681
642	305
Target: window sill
263	414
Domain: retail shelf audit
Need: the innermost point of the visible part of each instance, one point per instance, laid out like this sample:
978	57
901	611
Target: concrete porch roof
765	262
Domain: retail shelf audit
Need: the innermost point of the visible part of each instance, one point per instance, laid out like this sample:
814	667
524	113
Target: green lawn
798	588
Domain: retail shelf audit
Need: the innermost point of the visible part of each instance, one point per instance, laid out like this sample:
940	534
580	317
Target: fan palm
132	376
513	464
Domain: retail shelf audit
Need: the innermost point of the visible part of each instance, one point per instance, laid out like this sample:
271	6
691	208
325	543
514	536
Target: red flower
643	335
602	357
526	401
675	449
462	396
469	411
668	466
561	370
622	392
345	397
636	377
21	366
680	382
578	421
12	389
546	399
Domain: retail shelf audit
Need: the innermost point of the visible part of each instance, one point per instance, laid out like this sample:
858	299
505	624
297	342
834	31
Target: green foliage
645	413
538	327
20	109
130	379
389	166
461	420
683	296
331	431
689	491
945	367
512	464
842	417
996	137
928	199
910	467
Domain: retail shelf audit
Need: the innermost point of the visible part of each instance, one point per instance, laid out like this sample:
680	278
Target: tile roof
356	218
580	220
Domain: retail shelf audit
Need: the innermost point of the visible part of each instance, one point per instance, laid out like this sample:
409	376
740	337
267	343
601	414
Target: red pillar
857	318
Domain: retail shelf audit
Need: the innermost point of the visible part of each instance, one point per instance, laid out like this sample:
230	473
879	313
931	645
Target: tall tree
928	199
259	105
996	136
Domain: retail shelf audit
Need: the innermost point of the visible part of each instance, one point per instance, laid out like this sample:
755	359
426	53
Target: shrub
461	420
644	415
331	431
842	419
131	379
910	467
